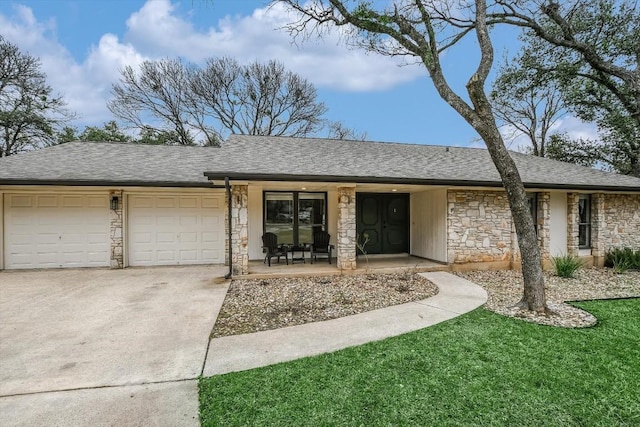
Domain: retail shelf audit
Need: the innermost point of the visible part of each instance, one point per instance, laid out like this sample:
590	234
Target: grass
478	369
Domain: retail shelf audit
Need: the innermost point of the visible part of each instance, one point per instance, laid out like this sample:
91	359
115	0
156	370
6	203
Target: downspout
228	189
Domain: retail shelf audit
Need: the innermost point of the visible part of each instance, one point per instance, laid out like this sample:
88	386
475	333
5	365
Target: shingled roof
279	158
285	158
105	163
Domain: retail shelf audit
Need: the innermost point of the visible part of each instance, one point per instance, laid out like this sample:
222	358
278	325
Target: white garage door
175	230
56	230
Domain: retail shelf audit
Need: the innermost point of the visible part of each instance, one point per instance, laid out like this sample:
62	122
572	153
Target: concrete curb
241	352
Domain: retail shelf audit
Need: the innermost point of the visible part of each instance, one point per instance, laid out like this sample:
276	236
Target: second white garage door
175	230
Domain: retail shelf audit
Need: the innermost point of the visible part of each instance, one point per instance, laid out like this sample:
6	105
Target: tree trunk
533	297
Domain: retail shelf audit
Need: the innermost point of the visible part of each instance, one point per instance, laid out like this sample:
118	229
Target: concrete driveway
105	347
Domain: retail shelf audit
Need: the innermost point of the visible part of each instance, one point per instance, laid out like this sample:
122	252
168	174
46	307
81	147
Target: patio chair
271	248
321	246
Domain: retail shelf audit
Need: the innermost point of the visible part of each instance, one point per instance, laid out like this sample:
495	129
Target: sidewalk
456	296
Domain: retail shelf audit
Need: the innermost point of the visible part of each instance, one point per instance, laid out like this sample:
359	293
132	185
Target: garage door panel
212	202
189	202
142	238
174	230
56	230
20	201
211	221
165	220
168	255
189	255
97	202
141	202
186	238
188	221
210	236
165	237
73	201
96	239
47	201
166	202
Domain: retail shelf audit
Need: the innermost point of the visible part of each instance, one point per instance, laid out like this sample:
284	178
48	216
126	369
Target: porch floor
377	264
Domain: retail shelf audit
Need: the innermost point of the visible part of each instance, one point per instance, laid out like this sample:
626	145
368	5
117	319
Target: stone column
240	229
115	220
598	229
573	220
346	241
544	226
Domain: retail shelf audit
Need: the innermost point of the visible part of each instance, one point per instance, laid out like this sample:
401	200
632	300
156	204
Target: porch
377	264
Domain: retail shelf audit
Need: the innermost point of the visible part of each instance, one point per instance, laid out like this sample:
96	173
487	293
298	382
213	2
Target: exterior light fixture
394	190
114	203
304	188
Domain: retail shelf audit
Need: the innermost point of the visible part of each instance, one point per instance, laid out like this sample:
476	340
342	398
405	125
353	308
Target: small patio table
301	249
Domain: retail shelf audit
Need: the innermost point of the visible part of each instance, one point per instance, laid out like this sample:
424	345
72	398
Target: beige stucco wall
255	223
429	224
332	215
558	224
1	230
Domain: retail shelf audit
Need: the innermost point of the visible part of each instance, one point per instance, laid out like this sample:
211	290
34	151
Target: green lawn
477	369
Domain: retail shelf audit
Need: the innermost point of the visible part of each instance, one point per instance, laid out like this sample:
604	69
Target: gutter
107	183
228	190
413	181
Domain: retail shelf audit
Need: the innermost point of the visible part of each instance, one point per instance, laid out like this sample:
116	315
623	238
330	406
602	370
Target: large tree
30	115
527	105
591	49
425	30
157	92
171	98
257	99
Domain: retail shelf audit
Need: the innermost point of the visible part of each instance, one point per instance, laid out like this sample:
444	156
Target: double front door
384	218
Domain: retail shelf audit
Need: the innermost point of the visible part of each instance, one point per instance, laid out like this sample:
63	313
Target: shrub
622	259
567	265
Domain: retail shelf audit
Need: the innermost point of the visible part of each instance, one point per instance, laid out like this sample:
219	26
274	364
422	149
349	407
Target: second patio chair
321	246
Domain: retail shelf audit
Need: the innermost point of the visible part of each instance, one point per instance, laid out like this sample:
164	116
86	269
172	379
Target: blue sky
83	44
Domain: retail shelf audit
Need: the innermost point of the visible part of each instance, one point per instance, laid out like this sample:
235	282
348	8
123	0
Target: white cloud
576	128
84	85
157	31
327	63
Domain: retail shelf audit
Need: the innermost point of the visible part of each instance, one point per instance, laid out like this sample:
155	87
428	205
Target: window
293	216
584	221
532	198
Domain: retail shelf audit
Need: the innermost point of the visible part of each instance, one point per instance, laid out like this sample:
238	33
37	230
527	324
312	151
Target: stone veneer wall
115	222
239	229
544	225
598	228
573	219
618	222
346	241
479	227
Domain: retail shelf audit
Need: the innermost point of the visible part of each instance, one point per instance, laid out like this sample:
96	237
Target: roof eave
108	183
415	181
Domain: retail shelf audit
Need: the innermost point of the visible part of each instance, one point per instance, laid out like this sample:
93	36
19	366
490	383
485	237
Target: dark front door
384	217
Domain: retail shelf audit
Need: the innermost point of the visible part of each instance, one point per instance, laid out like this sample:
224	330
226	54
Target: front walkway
456	296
